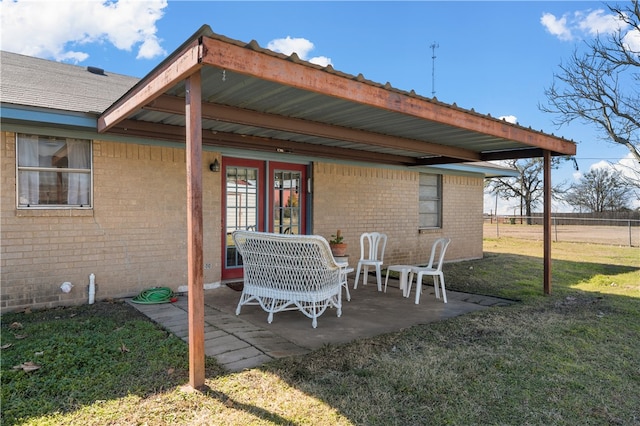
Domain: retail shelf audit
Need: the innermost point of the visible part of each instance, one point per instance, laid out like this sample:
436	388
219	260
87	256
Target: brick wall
134	238
462	215
362	199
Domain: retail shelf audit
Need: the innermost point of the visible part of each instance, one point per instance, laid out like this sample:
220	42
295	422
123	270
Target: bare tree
601	85
599	190
528	187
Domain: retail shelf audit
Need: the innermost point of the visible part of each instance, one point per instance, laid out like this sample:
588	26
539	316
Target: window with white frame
53	171
430	201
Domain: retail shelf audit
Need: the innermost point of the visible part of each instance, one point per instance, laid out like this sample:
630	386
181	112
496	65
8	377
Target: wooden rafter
231	140
232	57
251	60
184	64
171	104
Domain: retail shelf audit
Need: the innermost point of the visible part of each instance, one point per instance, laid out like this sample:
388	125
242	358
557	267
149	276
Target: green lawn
572	358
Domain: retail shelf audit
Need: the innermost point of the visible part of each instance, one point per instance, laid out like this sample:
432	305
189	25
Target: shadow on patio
247	340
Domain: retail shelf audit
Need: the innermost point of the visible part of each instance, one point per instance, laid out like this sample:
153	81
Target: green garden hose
154	295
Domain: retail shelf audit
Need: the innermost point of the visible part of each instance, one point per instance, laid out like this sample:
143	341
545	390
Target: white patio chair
434	268
372	245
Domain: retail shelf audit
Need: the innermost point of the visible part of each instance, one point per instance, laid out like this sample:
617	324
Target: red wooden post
547	222
193	118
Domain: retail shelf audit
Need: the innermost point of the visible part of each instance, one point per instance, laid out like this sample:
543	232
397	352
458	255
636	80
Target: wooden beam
432	161
547	222
512	154
159	81
177	134
306	149
172	105
195	272
268	66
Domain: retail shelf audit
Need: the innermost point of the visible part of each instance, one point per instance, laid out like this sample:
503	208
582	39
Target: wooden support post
547	222
193	116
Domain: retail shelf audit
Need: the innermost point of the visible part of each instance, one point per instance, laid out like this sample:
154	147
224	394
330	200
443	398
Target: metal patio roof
256	99
217	91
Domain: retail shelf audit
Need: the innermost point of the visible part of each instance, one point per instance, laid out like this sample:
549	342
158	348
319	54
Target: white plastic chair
372	245
434	268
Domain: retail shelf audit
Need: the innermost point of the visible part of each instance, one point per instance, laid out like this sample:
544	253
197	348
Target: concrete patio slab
247	340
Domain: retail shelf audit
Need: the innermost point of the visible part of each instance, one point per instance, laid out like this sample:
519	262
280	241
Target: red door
288	201
247	205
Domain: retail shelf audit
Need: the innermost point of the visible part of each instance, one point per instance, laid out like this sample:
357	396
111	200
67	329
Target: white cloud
628	166
58	29
597	22
321	60
150	48
632	41
301	46
588	23
602	164
509	119
288	45
557	27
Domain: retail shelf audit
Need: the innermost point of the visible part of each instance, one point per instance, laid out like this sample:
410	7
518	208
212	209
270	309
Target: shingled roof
35	82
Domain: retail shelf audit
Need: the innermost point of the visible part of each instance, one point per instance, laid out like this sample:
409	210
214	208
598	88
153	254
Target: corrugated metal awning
240	95
257	99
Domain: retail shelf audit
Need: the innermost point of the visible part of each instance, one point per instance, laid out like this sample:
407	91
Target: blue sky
494	57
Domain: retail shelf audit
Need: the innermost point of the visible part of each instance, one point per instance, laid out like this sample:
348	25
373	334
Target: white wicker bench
289	272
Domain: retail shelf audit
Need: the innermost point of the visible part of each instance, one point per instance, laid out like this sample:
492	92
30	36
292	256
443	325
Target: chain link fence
620	232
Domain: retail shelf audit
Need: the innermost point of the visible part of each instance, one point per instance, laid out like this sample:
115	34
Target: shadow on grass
90	353
519	277
254	410
566	359
570	360
481	361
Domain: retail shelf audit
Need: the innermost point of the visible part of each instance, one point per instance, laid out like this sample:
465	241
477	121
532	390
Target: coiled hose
154	295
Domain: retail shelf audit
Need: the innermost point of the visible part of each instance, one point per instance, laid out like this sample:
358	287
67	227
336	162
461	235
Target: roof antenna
433	47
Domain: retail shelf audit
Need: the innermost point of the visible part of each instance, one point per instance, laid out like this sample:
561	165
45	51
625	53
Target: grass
513	268
571	358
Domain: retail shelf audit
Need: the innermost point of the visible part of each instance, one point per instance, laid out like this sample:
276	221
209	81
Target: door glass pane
242	207
286	206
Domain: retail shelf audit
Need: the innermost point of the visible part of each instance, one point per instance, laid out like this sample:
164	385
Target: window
53	171
430	201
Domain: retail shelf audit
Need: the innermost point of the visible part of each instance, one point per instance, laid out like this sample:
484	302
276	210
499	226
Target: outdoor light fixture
215	166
